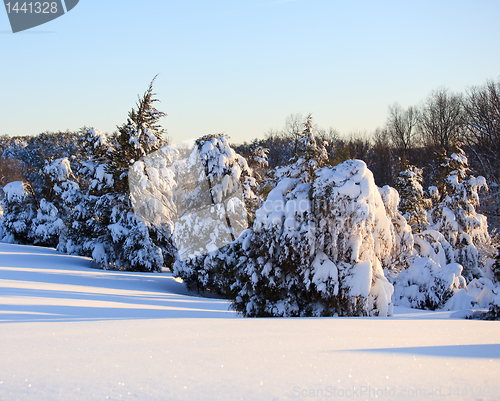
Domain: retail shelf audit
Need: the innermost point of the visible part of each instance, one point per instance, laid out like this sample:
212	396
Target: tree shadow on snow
487	351
42	285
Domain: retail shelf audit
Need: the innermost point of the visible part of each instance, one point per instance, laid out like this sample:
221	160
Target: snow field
70	332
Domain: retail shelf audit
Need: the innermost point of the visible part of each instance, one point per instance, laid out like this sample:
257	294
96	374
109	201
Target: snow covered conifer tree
125	241
403	239
19	209
93	171
139	136
455	215
310	156
48	225
258	162
82	196
96	145
217	186
447	252
257	156
318	249
118	238
68	199
153	186
413	205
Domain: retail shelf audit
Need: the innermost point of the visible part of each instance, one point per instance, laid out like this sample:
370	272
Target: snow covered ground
71	332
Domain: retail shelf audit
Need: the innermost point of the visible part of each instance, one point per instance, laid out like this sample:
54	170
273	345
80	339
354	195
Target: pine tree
54	210
19	209
80	195
317	249
153	189
413	205
47	226
309	156
141	135
399	258
95	145
455	215
217	193
120	240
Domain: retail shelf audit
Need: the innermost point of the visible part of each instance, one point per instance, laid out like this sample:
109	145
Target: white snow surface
14	190
72	332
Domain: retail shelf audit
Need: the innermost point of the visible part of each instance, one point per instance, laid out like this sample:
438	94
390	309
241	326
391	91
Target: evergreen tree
81	196
413	205
399	258
48	226
120	240
19	209
216	198
141	135
309	156
153	189
96	145
317	249
455	214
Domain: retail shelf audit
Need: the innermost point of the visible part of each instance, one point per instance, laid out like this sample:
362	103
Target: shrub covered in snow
433	276
480	293
427	285
47	225
494	311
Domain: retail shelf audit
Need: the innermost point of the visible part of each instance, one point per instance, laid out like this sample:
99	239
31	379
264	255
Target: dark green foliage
412	203
139	136
496	266
493	313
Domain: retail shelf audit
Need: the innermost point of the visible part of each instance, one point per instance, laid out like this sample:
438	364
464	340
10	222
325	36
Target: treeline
419	135
300	223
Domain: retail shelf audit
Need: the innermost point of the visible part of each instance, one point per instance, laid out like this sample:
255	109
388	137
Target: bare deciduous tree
11	170
401	126
441	119
482	113
294	125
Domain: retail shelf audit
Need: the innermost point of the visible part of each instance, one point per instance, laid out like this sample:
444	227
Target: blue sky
240	67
